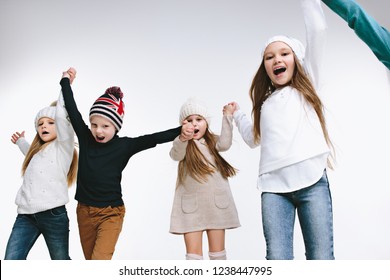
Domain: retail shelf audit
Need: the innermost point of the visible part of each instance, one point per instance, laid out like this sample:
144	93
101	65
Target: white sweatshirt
293	152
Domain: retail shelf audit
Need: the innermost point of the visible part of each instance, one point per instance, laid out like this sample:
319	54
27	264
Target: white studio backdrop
162	52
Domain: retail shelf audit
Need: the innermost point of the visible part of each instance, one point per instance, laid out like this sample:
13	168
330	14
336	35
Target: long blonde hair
196	165
38	144
262	87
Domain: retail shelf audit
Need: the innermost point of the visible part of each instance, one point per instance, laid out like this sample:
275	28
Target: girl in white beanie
289	126
49	168
203	200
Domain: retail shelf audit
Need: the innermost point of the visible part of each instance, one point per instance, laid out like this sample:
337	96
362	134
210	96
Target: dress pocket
222	199
189	203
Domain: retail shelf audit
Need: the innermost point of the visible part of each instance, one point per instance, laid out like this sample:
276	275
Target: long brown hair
196	165
38	144
262	87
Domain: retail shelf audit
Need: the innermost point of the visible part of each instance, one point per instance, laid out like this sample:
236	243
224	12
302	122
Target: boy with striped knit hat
103	156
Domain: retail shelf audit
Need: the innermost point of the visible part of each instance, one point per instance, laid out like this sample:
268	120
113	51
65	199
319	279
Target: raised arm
366	28
315	25
63	126
225	139
75	117
18	139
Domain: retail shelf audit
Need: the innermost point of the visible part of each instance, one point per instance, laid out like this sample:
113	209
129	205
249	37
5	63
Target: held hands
15	137
70	74
230	108
187	131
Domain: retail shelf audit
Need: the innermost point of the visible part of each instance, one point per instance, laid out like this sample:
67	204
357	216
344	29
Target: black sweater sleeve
167	135
76	119
151	140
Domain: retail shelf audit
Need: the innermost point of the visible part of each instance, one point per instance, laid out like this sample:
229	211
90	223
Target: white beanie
193	106
293	43
47	112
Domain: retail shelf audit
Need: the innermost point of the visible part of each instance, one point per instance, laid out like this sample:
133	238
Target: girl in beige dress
203	200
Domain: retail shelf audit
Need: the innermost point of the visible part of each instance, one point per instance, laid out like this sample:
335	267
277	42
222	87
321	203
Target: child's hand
16	136
230	108
70	74
187	131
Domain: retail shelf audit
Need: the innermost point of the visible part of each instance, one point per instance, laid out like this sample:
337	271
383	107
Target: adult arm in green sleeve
366	27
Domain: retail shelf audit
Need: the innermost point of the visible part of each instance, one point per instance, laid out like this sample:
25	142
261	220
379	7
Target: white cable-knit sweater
45	180
293	152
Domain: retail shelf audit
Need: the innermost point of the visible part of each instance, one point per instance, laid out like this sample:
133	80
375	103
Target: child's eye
268	57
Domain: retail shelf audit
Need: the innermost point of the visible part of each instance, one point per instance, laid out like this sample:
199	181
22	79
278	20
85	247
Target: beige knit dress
209	205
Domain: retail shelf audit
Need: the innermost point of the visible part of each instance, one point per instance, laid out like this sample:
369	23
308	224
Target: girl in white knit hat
203	200
49	167
289	126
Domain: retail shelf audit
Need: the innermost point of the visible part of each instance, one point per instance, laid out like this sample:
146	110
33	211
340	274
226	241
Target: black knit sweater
101	164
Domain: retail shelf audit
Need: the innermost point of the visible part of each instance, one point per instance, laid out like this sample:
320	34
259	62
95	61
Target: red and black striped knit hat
110	106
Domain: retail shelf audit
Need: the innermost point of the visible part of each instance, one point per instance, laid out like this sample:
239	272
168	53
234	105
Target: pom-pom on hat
293	43
47	112
110	106
193	106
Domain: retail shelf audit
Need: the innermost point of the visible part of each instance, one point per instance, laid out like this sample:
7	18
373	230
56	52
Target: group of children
288	124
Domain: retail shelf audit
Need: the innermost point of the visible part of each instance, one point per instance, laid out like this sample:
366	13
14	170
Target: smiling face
102	129
200	125
279	63
47	129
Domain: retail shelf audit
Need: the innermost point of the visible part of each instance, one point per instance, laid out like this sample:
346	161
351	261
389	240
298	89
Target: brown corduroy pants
99	230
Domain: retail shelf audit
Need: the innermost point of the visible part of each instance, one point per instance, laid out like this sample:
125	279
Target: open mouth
280	70
45	132
196	131
100	138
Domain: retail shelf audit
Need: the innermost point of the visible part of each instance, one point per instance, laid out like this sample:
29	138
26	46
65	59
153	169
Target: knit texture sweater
101	164
45	179
366	28
293	148
205	205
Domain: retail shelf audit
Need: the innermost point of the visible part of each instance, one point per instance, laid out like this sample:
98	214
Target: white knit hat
293	43
193	106
47	112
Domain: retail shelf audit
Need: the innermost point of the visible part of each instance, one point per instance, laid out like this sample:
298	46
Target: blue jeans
314	207
53	224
